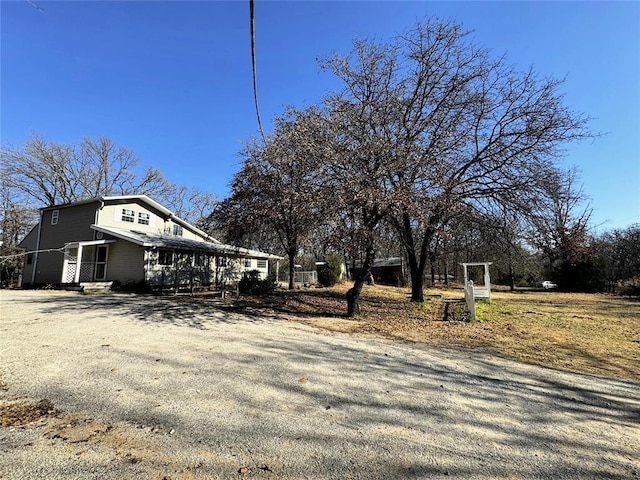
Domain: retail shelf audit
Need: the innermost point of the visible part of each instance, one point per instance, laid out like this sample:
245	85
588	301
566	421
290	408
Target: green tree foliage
252	284
329	273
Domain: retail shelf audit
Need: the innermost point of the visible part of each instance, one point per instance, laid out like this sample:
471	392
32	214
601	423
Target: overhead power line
253	65
4	258
36	6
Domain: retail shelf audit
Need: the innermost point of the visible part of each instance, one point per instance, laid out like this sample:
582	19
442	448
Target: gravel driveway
158	388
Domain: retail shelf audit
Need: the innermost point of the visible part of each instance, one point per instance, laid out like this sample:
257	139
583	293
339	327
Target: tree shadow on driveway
314	405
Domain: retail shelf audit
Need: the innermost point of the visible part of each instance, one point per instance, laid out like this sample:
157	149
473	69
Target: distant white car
547	285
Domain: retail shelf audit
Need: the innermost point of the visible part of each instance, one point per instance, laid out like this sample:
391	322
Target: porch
85	261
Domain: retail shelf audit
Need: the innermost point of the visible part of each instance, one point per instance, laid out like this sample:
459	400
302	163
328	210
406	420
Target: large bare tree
439	123
51	173
45	173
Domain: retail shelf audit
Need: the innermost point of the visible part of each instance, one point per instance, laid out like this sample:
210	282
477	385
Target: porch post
76	278
487	280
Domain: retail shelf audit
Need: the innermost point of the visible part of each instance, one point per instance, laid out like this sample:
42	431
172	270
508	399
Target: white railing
305	278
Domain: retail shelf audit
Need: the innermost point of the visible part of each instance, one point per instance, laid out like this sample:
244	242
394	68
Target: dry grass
589	333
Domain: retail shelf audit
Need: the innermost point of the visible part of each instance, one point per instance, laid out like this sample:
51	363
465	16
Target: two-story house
129	239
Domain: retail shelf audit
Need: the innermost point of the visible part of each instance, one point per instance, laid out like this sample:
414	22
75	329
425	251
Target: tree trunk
432	261
417	259
292	268
359	277
512	285
353	298
446	273
417	290
455	265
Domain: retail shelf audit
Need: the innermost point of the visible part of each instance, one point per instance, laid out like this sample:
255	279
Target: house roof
142	198
158	240
383	262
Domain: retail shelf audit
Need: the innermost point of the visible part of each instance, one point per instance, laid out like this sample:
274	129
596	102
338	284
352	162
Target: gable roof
141	198
146	239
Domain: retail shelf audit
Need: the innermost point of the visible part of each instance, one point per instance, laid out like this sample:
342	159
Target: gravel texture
143	387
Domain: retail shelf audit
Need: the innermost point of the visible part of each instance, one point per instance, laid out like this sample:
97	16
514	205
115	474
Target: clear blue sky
172	80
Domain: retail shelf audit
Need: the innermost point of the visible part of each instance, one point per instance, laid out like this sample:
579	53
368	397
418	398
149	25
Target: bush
329	273
131	287
630	287
253	285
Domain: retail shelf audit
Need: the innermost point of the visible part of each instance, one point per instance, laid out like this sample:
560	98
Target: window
201	260
221	261
262	264
55	214
165	257
29	258
143	218
177	230
128	216
247	263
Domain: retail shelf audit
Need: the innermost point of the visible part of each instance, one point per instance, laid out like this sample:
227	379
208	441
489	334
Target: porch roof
157	240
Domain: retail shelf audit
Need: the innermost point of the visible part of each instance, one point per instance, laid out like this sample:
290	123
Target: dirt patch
76	429
20	413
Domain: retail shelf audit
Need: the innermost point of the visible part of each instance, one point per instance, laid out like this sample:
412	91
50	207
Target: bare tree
438	123
560	226
277	185
191	204
618	252
51	174
15	221
41	174
40	171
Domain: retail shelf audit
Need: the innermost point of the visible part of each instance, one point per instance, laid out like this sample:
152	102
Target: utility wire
4	258
253	65
36	6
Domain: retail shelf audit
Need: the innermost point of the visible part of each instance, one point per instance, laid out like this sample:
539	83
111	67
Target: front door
100	268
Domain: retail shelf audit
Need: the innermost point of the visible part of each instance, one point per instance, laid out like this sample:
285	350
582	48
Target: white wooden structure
481	290
471	301
471	291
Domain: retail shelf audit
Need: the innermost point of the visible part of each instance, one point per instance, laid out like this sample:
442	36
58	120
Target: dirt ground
125	386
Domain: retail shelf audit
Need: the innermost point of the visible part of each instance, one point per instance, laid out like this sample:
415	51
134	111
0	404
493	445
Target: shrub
253	285
630	287
131	287
329	273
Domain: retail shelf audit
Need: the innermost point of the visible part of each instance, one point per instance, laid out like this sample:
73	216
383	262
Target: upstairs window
177	230
29	258
247	263
201	260
262	264
55	214
143	218
128	216
221	261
